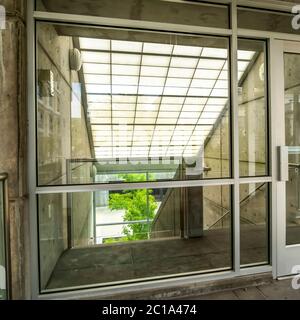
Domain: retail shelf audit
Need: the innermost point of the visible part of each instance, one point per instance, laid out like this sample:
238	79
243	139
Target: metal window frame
233	33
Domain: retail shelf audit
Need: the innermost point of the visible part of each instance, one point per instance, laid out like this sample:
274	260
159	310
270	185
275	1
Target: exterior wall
13	143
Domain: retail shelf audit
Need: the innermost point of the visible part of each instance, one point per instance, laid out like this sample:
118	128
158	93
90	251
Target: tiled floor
277	290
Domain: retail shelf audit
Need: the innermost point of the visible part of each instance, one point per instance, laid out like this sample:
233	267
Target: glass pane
113	236
125	111
292	140
2	246
150	10
266	20
254	224
253	129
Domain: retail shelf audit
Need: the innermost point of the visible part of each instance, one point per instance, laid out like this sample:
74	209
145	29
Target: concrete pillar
13	144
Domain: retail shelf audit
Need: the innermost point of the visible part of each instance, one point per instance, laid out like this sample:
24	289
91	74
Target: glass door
288	141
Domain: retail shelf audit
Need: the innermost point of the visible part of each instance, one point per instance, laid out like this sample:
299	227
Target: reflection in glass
253	109
292	140
254	224
112	236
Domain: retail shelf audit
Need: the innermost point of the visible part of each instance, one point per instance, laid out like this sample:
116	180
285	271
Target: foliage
138	205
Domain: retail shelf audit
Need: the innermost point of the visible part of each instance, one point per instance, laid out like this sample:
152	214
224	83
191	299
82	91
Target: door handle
283	160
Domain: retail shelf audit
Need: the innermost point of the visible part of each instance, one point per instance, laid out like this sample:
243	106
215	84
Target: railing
4	242
242	204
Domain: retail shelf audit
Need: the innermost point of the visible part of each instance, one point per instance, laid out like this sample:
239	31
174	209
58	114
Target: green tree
138	205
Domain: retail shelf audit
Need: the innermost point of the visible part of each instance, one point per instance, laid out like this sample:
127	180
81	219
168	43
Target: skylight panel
127	80
100	120
150	90
217	101
166	120
124	59
214	53
199	92
219	93
158	61
123	120
224	75
95	57
99	106
181	73
170	107
126	70
95	68
123	99
192	115
192	107
94	44
187	121
206	121
98	114
97	79
210	115
126	46
118	89
98	98
157	48
214	108
206	74
147	107
221	84
179	62
172	91
245	55
123	107
123	114
152	81
203	83
163	114
213	64
186	51
153	71
98	88
195	100
142	114
148	100
172	100
145	120
177	82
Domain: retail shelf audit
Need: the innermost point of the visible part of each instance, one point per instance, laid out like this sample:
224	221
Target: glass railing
3	260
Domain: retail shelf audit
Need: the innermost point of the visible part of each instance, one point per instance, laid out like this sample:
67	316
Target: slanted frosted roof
151	99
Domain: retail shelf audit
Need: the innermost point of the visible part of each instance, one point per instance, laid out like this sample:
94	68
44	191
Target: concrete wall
13	142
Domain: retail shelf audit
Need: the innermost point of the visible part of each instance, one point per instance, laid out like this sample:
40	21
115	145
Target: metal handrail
242	203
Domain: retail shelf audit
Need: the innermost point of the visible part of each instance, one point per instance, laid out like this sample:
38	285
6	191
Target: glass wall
3	292
254	220
156	104
253	107
131	235
121	106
